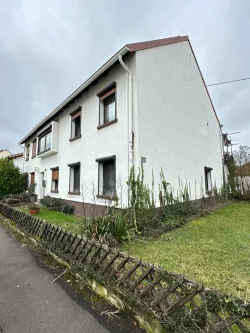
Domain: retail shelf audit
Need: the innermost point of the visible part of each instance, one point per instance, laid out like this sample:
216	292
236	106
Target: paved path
39	306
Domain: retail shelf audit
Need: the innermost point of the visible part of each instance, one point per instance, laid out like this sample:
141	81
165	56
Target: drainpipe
130	133
23	154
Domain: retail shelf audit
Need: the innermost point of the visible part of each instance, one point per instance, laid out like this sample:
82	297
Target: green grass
213	250
65	221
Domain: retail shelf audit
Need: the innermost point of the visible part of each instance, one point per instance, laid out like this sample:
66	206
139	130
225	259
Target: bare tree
242	169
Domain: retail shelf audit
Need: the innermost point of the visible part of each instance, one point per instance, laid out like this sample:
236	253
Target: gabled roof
13	156
129	48
5	150
154	43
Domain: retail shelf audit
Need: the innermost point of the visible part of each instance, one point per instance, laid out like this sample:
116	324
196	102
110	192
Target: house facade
4	153
18	160
147	104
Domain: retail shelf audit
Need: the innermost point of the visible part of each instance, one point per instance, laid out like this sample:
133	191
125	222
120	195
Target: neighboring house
17	159
243	177
148	103
4	153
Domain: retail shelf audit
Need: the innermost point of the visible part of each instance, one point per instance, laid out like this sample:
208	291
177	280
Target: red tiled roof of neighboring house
13	156
128	48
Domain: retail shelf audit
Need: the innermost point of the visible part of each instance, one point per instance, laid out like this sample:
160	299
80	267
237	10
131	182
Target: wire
216	84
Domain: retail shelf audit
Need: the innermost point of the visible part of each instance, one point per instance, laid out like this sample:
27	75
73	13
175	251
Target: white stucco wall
19	161
178	130
94	143
176	125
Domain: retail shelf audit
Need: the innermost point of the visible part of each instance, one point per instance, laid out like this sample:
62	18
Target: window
44	141
27	152
74	178
106	176
54	179
208	179
32	178
107	105
34	148
76	123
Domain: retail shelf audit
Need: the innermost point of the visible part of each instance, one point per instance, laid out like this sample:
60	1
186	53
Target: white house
4	153
148	103
18	160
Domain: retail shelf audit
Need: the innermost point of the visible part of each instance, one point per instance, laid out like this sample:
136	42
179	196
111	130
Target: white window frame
208	180
72	188
101	162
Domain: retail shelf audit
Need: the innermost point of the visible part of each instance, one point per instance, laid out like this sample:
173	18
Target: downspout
23	154
130	133
133	151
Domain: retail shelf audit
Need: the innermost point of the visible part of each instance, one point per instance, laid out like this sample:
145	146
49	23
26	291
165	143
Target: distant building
4	153
17	159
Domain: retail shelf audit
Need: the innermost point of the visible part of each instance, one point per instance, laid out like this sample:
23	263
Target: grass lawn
213	250
65	221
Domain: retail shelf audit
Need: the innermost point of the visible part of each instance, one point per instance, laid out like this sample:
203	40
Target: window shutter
75	115
108	93
55	174
32	178
34	149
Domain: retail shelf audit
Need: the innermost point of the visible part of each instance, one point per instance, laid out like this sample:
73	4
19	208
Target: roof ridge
133	47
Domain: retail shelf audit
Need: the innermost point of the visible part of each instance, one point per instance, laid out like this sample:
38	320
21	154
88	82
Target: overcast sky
49	47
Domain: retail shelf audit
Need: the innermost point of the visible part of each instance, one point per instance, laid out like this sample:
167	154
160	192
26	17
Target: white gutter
108	64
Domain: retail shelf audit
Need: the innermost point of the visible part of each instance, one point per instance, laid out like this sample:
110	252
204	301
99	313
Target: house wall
4	153
93	144
178	129
18	161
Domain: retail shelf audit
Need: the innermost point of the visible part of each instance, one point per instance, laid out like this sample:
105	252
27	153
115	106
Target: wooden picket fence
162	293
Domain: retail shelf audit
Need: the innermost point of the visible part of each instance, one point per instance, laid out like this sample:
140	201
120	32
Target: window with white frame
106	176
74	178
54	179
76	123
44	141
34	148
208	180
107	105
27	152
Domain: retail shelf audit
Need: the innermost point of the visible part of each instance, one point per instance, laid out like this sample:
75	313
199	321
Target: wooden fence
180	304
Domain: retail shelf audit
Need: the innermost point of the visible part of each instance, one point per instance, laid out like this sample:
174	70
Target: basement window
107	105
106	177
74	178
208	180
76	124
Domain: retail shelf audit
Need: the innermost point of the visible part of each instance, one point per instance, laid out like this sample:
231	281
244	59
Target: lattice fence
180	304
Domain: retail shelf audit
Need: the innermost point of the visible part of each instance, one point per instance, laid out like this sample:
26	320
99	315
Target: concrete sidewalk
29	303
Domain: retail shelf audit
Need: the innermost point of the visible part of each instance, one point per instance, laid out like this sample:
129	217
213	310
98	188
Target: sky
50	47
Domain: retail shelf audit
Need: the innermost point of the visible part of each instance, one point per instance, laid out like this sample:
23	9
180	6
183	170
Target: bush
109	229
12	180
57	204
